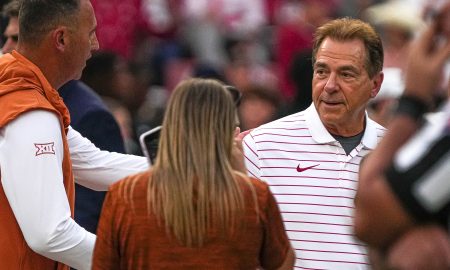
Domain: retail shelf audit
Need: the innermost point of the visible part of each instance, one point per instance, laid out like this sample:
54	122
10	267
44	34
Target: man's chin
328	114
77	76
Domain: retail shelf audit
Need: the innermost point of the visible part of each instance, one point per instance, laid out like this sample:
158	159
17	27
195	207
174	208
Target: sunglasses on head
235	94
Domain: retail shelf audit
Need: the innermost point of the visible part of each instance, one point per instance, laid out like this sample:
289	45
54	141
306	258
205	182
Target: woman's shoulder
260	187
135	182
258	184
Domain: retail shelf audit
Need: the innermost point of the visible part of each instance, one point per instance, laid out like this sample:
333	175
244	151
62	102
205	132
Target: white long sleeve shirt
31	154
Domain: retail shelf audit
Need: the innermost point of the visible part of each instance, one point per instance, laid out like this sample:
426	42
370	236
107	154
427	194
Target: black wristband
412	106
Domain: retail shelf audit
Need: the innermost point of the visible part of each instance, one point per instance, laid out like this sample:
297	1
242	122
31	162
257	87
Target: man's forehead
334	50
342	46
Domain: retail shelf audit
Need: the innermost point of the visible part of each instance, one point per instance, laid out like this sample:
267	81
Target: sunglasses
235	94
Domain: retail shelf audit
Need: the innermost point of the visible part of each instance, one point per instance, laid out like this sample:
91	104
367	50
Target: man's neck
345	131
39	56
348	128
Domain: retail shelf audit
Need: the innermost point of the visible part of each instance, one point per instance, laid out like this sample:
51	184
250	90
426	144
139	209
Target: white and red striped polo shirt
314	182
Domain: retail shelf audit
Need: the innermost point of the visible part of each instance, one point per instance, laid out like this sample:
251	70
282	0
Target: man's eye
321	72
347	75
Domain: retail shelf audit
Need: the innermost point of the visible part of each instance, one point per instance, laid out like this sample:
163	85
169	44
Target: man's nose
331	84
94	43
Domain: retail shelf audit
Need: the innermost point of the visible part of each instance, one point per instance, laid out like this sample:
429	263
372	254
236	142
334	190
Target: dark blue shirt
93	120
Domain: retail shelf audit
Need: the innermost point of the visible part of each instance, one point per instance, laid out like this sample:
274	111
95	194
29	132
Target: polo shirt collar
321	135
318	131
370	138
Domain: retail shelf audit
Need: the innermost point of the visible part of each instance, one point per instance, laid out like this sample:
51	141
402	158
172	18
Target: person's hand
237	154
239	136
422	248
425	63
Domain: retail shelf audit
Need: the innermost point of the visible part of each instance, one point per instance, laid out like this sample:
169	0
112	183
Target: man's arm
31	157
379	216
98	169
424	247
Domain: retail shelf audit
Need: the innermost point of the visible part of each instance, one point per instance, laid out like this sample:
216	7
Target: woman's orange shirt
131	238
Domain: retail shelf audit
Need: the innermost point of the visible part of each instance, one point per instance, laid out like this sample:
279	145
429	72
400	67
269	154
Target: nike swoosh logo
299	169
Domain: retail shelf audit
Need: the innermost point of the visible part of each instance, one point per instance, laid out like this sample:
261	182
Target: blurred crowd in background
263	47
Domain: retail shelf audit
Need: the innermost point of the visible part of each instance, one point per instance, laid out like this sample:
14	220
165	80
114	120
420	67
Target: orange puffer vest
23	88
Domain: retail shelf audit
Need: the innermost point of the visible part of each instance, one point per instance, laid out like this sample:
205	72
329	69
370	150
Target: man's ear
59	37
377	80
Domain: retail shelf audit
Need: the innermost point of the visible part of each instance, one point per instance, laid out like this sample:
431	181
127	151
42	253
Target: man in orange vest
39	152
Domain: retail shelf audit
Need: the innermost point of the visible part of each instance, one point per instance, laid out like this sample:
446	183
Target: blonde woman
193	210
